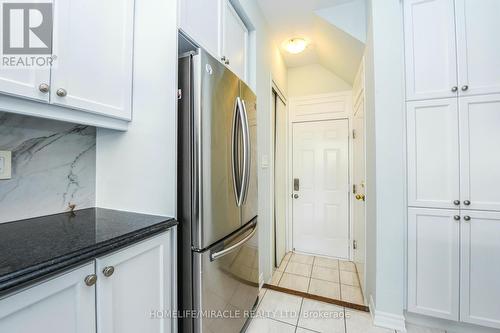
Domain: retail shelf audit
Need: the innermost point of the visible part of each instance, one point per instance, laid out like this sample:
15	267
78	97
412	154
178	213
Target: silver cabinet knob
456	217
223	58
90	280
61	92
465	87
295	196
454	89
467	218
44	87
456	202
467	202
226	62
108	271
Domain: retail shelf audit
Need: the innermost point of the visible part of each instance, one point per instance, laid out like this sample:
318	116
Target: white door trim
336	106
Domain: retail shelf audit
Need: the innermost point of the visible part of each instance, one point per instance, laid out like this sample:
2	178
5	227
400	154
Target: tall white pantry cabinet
452	56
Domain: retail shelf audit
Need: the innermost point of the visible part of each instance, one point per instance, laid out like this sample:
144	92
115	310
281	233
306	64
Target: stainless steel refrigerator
217	199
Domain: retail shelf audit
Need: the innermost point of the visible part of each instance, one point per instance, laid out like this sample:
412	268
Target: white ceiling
332	46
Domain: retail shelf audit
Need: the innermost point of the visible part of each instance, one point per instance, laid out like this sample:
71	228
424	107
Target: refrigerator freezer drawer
226	284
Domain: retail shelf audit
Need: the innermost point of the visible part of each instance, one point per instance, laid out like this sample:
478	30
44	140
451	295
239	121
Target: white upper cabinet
433	262
431	65
234	41
433	153
201	20
479	151
133	282
93	42
63	304
478	47
480	268
27	83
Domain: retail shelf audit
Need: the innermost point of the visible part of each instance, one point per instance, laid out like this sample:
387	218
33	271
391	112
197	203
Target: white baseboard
387	320
446	325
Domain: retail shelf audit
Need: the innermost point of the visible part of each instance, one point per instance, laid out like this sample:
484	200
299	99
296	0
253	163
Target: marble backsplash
53	166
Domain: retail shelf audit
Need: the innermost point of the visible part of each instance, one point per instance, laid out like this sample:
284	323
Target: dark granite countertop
33	249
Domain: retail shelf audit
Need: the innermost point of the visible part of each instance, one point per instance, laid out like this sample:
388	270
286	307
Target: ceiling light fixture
295	45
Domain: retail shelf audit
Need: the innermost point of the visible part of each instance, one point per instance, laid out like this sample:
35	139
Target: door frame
335	106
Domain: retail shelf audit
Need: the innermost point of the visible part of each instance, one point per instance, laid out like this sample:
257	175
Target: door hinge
354	134
354	189
179	93
354	245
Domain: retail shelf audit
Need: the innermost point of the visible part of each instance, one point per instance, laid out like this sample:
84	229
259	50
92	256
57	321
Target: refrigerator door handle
246	153
231	248
235	152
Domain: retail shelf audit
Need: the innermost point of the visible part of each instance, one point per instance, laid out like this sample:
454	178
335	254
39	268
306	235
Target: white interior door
480	161
280	177
359	177
480	268
321	199
478	47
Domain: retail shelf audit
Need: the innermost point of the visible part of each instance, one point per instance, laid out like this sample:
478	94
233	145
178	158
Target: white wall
314	79
386	220
136	170
265	64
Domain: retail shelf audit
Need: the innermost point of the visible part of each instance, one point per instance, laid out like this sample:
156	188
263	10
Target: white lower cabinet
123	292
64	304
433	262
140	282
480	268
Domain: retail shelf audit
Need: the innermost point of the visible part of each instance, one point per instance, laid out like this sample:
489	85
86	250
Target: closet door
431	68
433	153
480	268
478	47
433	262
479	147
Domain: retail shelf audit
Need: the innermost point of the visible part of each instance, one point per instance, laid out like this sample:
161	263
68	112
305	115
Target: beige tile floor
319	276
284	313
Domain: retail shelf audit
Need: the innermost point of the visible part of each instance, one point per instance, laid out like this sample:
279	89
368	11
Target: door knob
456	217
467	202
467	218
454	89
456	202
44	87
295	196
61	92
360	197
90	280
108	271
465	88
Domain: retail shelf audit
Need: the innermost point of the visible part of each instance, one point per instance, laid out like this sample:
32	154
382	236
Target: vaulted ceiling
335	30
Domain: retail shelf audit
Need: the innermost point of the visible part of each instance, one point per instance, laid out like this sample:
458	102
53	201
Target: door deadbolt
296	184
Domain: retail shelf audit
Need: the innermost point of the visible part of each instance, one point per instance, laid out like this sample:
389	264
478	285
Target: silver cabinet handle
217	255
223	58
246	153
467	218
456	202
44	87
108	271
467	202
454	89
226	62
90	280
456	217
61	92
235	152
465	87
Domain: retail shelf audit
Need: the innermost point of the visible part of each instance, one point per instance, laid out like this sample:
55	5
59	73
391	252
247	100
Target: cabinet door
433	262
63	304
431	65
140	284
201	20
433	153
478	47
480	160
25	82
93	42
480	269
234	41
